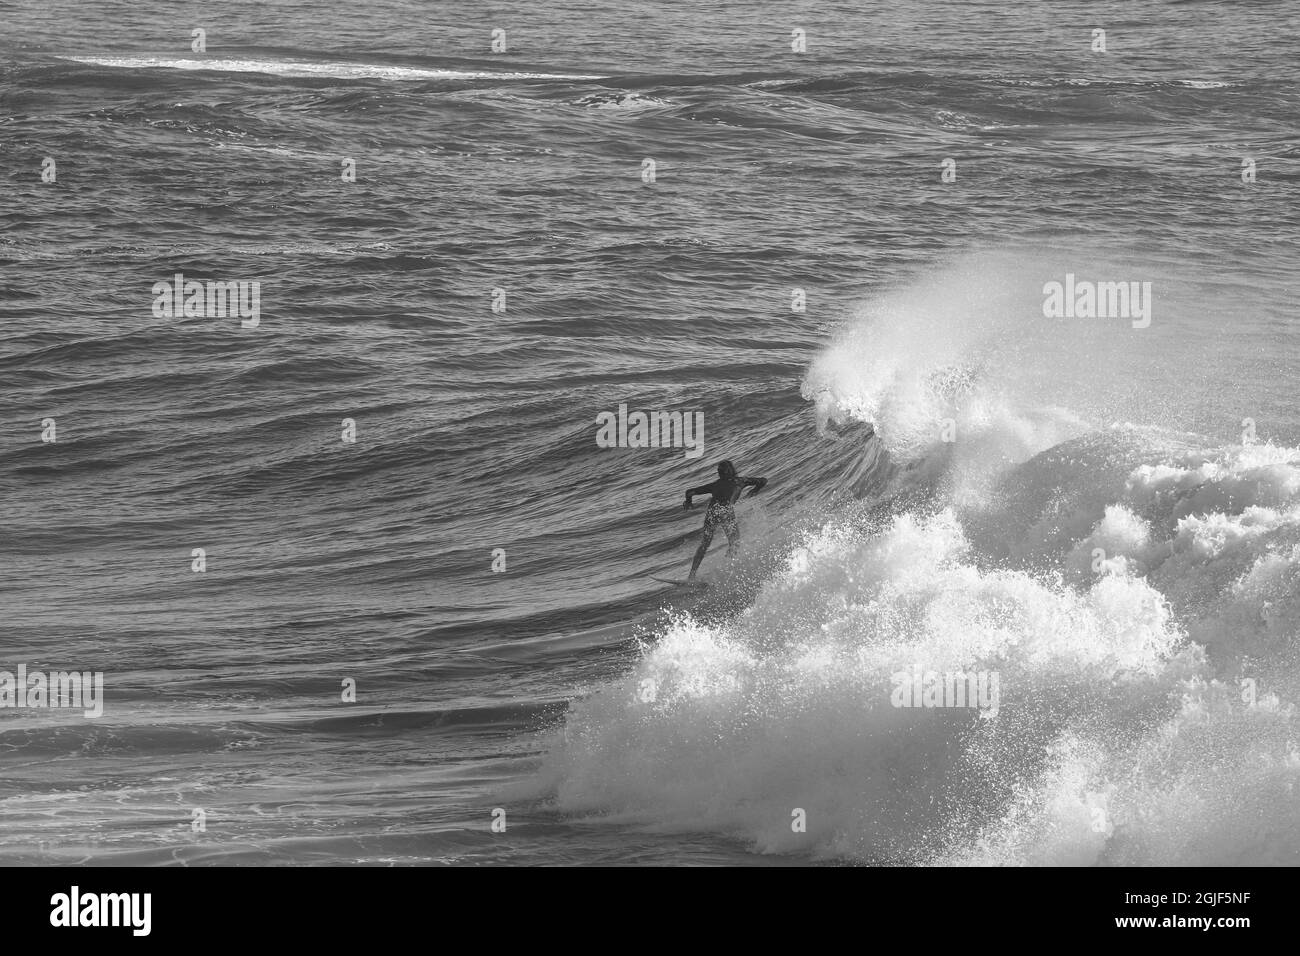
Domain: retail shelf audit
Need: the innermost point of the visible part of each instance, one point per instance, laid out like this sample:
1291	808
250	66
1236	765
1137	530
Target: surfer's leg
701	552
732	527
706	539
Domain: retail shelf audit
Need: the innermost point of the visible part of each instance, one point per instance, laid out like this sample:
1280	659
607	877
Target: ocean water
1113	529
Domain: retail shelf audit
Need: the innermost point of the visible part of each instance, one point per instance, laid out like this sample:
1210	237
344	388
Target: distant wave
299	68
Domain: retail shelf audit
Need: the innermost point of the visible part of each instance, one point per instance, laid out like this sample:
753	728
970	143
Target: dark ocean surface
1148	694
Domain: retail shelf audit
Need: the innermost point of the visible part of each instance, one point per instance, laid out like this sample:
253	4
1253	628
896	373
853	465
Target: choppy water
1123	735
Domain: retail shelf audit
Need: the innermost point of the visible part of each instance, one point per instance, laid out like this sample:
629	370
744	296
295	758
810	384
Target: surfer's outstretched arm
692	492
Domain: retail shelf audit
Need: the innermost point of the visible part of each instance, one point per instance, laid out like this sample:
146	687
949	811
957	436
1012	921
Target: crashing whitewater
1135	593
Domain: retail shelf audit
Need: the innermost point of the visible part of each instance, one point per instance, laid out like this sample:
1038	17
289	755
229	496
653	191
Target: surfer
725	491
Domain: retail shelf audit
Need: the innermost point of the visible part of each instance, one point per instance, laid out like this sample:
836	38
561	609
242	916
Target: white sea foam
1147	692
303	68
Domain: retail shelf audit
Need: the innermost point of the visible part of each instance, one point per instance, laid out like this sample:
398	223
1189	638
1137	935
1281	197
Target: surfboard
678	582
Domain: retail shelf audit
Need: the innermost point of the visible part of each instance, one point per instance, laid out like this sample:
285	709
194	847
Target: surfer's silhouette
725	491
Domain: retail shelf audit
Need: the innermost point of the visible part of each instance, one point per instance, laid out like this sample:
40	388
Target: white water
1138	596
306	68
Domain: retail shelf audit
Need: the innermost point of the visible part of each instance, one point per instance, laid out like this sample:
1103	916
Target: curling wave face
1135	596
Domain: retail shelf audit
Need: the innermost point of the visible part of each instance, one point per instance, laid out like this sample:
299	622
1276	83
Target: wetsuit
725	492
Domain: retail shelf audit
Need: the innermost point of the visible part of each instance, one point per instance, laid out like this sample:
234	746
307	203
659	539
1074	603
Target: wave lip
303	68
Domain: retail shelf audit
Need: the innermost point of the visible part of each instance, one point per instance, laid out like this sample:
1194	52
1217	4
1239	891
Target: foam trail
299	68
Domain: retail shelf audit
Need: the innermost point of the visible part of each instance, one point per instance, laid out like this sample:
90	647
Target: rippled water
873	549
